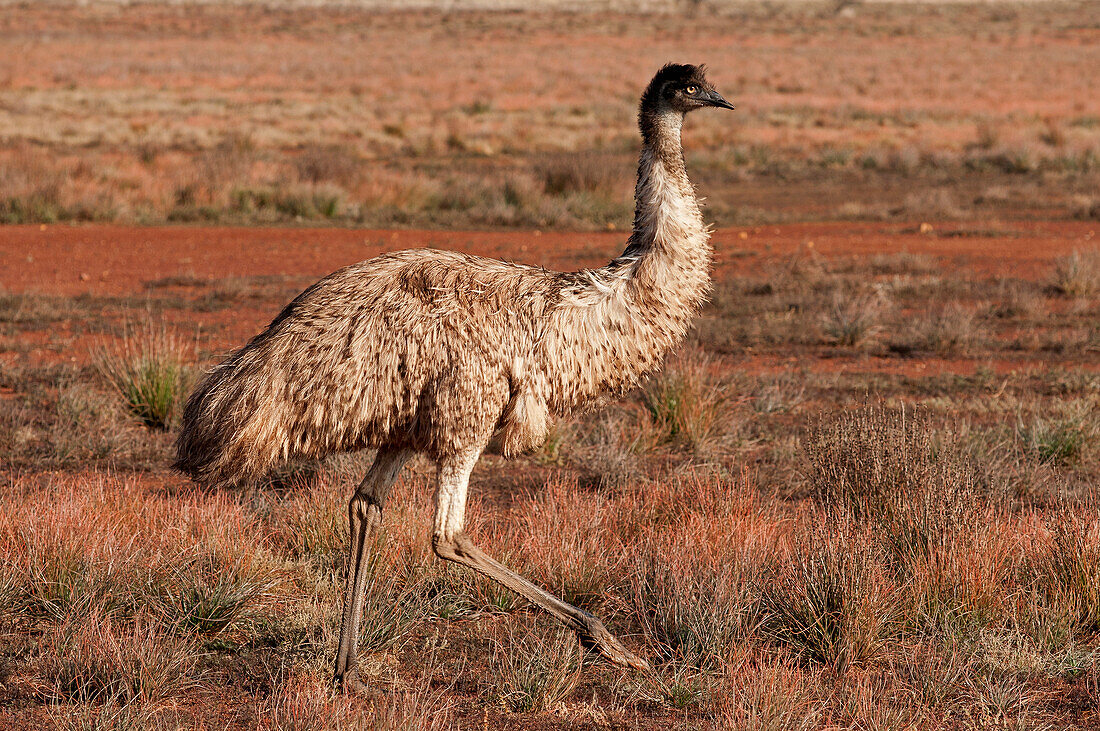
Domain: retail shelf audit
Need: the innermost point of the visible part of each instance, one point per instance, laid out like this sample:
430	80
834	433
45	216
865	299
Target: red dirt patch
116	260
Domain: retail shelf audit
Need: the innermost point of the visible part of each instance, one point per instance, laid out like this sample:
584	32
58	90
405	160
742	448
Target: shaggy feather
434	351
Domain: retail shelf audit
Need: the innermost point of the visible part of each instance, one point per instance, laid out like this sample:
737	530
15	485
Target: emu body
434	352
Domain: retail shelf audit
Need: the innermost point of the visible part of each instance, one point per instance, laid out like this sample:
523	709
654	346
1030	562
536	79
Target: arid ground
862	495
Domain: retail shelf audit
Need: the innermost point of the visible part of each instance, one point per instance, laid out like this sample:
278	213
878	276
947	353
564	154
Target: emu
435	352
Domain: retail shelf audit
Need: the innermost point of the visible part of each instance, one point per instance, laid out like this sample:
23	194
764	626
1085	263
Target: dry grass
853	320
708	577
795	533
93	659
689	405
203	131
535	672
830	602
1077	275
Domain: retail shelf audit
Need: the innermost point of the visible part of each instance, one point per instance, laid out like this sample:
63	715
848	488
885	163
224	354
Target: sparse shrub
884	469
1016	299
148	368
1078	274
535	672
326	163
931	204
1086	208
40	206
853	320
229	161
902	263
31	187
781	393
948	329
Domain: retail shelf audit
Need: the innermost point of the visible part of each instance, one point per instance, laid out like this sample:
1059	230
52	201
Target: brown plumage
434	352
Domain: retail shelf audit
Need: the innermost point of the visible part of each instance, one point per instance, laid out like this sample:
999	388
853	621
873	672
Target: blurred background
451	116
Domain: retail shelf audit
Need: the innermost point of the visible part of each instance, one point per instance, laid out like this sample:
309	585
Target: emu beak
715	99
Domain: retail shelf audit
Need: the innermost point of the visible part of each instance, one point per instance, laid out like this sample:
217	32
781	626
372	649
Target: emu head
680	88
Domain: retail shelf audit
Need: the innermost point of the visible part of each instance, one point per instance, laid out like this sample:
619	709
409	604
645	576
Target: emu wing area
416	348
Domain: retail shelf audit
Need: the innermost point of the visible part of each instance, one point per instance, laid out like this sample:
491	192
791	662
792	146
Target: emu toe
350	684
598	638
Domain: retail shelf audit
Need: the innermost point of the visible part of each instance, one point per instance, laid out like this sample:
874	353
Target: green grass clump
148	369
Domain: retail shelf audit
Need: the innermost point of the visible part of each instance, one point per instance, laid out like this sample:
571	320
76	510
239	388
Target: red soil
118	260
121	261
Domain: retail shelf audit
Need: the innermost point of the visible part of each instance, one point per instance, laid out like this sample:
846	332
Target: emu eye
692	89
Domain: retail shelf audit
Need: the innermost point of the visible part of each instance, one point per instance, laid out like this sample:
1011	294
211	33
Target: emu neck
666	214
620	321
669	242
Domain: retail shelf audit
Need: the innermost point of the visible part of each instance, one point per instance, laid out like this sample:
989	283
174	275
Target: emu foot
595	636
350	684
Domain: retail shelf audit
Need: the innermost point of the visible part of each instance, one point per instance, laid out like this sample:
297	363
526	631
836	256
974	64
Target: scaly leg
364	518
451	543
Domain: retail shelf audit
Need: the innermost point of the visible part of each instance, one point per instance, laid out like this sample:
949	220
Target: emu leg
451	543
364	517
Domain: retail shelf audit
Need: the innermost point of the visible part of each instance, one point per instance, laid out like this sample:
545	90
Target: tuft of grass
611	448
1058	441
391	609
779	394
775	696
1078	274
533	672
95	659
829	602
950	329
208	593
305	702
695	619
148	369
688	405
109	716
1064	576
